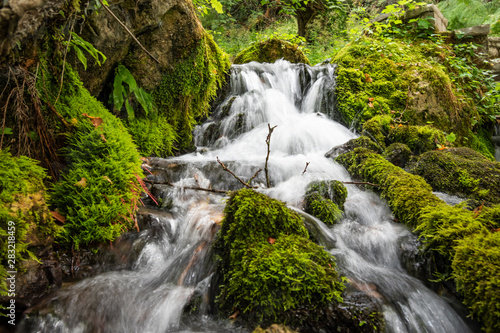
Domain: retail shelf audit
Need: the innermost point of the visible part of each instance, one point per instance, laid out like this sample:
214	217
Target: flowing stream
174	266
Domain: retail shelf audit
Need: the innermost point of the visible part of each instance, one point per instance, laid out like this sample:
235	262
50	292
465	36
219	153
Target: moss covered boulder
271	50
412	83
460	171
270	269
325	200
26	230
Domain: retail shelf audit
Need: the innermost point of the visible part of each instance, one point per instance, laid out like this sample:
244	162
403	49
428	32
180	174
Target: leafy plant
121	94
79	45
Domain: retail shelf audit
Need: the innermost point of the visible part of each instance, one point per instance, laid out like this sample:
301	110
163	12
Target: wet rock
362	141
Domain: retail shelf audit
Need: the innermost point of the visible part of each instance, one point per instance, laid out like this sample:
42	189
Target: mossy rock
410	83
361	142
25	219
325	200
476	271
184	94
398	154
268	264
461	171
99	190
419	139
271	50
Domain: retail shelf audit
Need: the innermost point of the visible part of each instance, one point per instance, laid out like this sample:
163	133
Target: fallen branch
128	31
268	142
232	173
186	187
361	183
250	180
305	169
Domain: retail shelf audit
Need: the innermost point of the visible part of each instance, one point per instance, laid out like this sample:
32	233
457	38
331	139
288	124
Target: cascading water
175	264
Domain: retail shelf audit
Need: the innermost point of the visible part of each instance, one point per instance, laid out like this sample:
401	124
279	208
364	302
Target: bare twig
129	32
268	142
186	187
361	183
232	173
250	180
305	169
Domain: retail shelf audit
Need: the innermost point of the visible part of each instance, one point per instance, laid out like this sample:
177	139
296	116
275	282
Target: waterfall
175	267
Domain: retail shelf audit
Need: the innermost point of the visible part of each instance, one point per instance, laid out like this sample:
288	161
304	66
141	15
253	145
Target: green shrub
476	270
269	267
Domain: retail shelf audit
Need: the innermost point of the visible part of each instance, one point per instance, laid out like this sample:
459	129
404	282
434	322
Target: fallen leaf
107	178
368	78
370	104
271	240
96	121
82	182
103	138
371	99
234	315
58	216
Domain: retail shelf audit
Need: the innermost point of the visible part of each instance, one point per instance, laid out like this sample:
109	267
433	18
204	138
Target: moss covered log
449	231
269	266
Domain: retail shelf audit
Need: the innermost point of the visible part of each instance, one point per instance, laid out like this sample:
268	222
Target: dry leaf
368	78
107	178
96	121
58	216
271	240
82	182
103	138
234	315
370	104
371	99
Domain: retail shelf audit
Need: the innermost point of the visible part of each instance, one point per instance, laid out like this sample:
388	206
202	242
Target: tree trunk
303	19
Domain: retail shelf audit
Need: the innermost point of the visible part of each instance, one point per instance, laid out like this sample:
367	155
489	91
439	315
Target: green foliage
185	91
121	95
476	270
268	264
461	171
23	211
418	138
98	192
469	13
202	6
271	50
79	44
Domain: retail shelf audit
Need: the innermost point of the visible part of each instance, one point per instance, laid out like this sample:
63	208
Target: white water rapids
175	262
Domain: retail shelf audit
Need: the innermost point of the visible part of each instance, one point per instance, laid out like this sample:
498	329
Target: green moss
271	50
269	266
324	209
185	91
398	154
23	211
153	136
377	128
476	270
99	190
463	238
461	171
407	194
418	138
